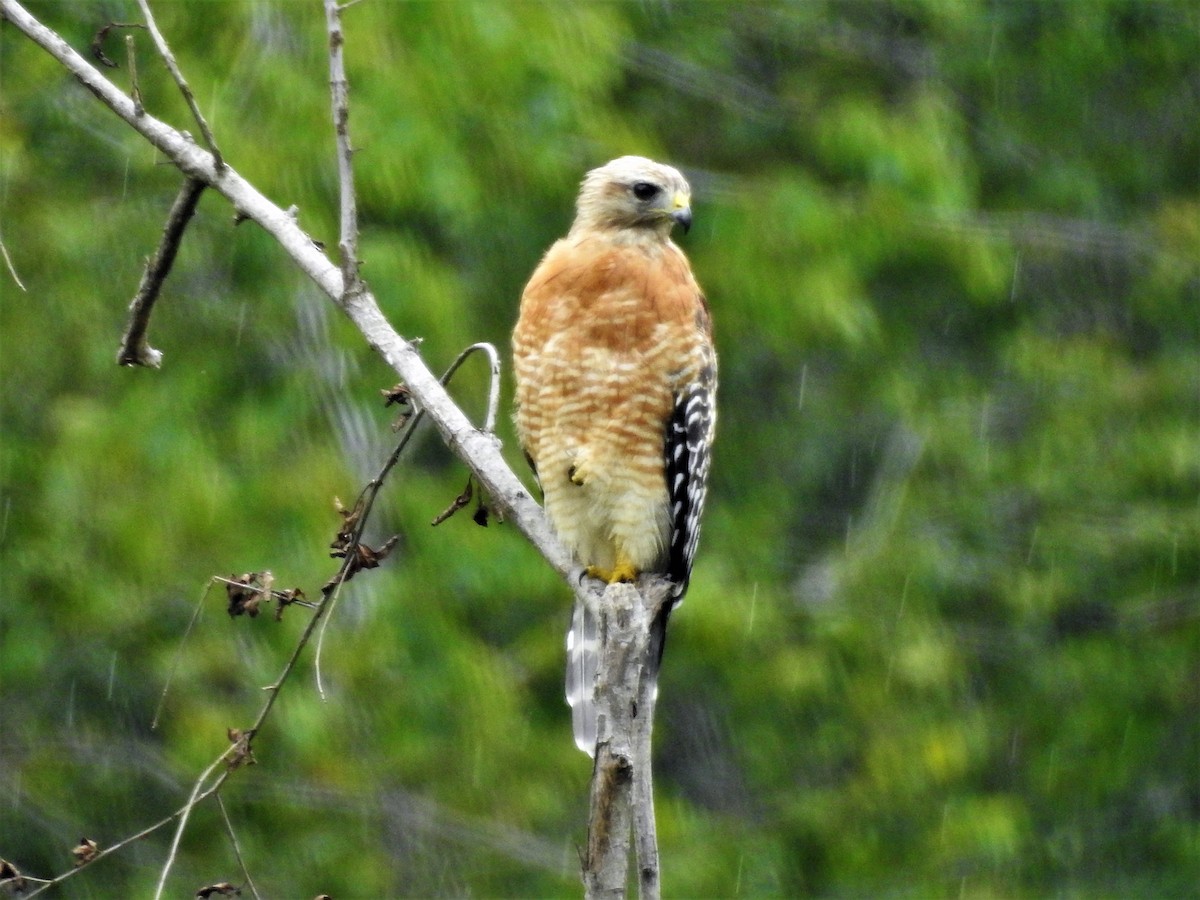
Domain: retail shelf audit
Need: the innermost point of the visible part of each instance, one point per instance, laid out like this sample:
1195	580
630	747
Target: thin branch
317	654
339	89
135	90
241	752
173	67
179	654
134	349
489	423
238	755
232	758
237	850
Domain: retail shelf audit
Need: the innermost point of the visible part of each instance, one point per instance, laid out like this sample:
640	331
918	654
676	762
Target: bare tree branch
479	450
199	792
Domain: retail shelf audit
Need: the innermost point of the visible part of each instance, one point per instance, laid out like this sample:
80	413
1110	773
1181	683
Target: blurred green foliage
943	634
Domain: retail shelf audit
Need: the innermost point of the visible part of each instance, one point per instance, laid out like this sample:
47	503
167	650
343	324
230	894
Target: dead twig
100	36
339	88
237	850
489	422
456	504
135	90
135	350
168	58
199	793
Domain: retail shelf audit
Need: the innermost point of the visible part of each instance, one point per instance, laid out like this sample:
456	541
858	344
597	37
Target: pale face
634	192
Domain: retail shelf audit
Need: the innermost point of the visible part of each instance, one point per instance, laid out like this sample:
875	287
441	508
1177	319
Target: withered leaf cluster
247	592
347	546
240	754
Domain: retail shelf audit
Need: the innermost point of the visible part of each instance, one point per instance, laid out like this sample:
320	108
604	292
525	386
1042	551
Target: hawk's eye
644	190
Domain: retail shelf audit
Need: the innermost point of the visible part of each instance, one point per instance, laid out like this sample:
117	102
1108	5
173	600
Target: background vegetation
942	636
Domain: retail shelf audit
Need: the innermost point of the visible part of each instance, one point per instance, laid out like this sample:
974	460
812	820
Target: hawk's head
636	193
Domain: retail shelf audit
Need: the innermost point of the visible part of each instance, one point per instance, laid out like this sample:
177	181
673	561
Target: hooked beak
682	213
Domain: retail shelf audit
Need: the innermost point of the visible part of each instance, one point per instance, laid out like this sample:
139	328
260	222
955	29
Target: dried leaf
240	754
286	598
399	395
349	516
247	592
364	557
85	851
350	519
221	889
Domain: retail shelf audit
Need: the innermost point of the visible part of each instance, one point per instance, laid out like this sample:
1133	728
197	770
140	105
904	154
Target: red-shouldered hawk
616	377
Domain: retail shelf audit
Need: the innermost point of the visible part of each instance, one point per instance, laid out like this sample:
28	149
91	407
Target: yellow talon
623	571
